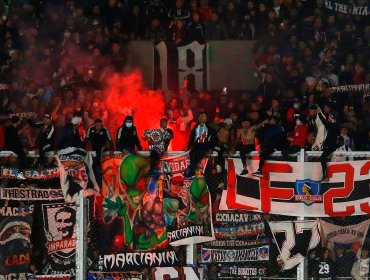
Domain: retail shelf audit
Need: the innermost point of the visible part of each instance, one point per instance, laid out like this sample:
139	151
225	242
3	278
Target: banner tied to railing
295	189
348	9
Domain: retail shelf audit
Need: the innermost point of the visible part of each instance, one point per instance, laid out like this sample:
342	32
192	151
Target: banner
11	173
295	189
133	232
30	194
26	115
294	240
94	275
49	277
235	255
187	202
242	271
76	173
247	230
177	273
15	243
236	217
348	9
349	237
59	222
235	243
350	88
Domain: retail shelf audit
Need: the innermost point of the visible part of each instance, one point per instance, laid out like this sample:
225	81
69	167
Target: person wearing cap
202	140
13	143
127	136
273	139
360	269
46	136
72	135
226	139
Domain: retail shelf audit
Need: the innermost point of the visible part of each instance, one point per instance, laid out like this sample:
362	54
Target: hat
76	120
47	116
228	121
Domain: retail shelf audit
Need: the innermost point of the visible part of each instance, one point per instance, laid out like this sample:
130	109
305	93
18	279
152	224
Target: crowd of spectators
56	55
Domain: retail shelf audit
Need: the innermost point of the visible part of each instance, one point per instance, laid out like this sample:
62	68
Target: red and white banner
295	189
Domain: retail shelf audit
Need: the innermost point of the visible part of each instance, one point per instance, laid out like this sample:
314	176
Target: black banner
15	243
242	271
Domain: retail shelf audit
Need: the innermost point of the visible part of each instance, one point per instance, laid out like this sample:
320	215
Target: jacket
207	140
127	138
98	139
320	132
70	137
12	140
300	135
46	136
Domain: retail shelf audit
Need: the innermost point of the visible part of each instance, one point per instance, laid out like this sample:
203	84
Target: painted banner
177	273
242	271
94	275
187	202
295	189
15	243
59	222
235	255
294	240
348	9
132	219
349	237
76	173
49	277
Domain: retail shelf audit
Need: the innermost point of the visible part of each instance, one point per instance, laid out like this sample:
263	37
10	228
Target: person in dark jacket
330	143
99	137
72	135
202	140
13	143
46	136
273	138
127	137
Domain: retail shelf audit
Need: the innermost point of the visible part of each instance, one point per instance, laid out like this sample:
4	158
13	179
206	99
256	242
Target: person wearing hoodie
127	136
73	135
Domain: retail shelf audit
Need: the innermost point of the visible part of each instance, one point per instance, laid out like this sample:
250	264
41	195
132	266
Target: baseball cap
228	121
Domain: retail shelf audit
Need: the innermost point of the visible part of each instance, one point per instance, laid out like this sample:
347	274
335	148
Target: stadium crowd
56	55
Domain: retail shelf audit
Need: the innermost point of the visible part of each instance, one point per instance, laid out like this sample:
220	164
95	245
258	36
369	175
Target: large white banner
295	189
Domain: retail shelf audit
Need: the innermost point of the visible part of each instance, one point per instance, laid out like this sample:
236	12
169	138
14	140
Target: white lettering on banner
138	259
14	276
183	68
347	9
185	232
30	194
224	255
162	51
197	69
237	218
294	233
181	273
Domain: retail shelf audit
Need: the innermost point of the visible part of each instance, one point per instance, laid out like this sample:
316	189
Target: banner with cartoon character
187	202
15	242
295	189
76	173
132	219
59	226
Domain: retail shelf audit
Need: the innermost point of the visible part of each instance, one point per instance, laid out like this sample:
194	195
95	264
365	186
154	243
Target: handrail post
81	236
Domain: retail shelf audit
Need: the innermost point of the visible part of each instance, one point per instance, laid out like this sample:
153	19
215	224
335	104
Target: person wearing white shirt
360	269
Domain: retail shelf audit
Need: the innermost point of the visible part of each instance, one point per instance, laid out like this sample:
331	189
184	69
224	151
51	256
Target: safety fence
45	219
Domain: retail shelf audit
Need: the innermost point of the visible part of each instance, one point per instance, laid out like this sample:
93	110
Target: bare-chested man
246	136
226	139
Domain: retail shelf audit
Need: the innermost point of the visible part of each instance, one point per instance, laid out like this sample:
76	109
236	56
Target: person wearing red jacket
298	141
